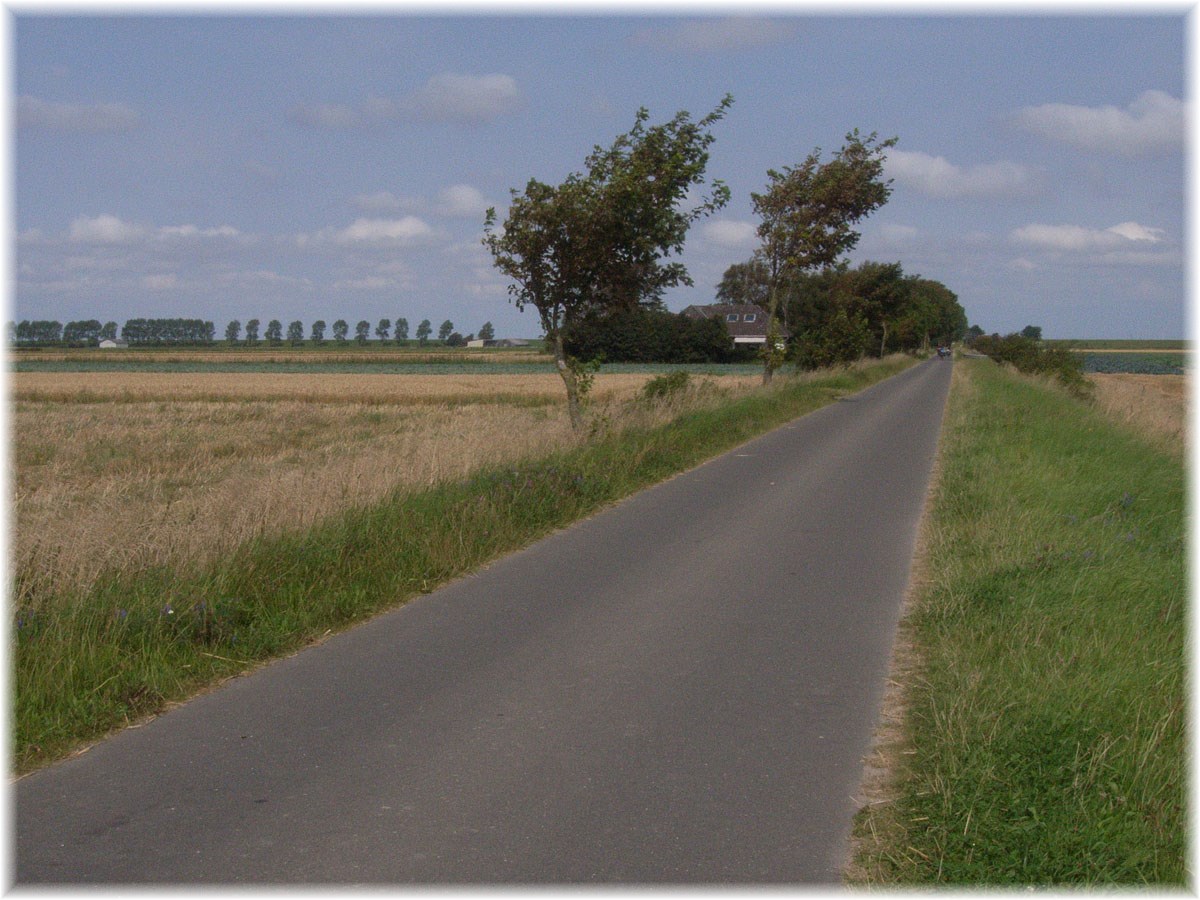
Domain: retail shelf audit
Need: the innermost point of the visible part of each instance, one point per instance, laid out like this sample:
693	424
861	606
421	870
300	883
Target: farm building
746	322
108	344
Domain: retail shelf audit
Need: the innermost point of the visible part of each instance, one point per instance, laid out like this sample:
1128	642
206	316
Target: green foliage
445	330
665	387
839	340
340	329
487	332
252	332
295	333
383	329
274	332
318	332
362	331
424	329
401	330
1034	358
232	330
648	335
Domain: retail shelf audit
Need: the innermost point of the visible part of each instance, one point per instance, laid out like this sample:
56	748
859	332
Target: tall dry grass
177	470
1155	405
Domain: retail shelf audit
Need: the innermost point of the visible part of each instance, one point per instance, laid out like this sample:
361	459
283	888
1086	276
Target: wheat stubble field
119	471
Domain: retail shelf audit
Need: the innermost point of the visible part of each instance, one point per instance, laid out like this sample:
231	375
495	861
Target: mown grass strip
1045	733
130	646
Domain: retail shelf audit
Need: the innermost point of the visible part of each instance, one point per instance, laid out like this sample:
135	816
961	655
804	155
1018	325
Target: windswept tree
383	329
252	332
599	242
487	332
318	332
362	331
295	333
108	331
232	330
423	331
401	333
808	215
445	330
340	328
274	332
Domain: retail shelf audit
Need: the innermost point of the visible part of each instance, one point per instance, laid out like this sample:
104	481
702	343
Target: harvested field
1155	405
456	389
117	473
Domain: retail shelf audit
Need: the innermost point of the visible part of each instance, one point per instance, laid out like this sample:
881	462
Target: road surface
677	690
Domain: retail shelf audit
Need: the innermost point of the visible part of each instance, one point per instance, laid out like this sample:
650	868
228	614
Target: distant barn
110	344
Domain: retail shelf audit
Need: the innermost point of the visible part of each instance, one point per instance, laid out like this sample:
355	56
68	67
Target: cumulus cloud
447	97
716	35
192	231
406	230
461	201
938	177
1075	238
33	112
1154	121
104	229
731	234
471	99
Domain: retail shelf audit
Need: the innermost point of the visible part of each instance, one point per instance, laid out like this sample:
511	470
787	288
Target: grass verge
130	646
1044	734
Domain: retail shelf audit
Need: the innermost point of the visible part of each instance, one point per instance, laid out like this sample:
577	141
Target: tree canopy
601	240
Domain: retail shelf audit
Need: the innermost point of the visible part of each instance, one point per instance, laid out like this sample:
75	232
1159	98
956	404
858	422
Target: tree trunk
883	340
568	377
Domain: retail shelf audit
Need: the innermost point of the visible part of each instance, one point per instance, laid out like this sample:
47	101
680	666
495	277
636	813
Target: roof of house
742	319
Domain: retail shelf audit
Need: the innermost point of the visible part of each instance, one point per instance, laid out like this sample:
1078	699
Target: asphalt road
677	690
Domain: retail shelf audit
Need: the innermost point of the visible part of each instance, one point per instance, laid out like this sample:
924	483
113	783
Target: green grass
85	665
1045	735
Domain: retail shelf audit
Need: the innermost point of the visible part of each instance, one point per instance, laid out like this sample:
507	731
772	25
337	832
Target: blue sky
309	166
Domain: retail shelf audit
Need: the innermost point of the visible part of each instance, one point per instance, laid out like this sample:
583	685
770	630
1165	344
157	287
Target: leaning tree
598	242
808	215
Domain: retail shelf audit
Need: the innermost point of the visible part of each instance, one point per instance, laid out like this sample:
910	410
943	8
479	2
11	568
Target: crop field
1153	405
119	472
1111	362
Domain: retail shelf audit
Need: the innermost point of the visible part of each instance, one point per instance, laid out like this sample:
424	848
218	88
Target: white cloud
1154	121
381	201
192	231
937	177
104	229
404	231
160	282
1075	238
715	35
461	200
447	97
731	234
898	234
33	112
472	99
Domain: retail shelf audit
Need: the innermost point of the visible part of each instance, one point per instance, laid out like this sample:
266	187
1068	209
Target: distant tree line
186	332
643	334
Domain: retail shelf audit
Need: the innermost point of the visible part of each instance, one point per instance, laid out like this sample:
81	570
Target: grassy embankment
135	639
1041	735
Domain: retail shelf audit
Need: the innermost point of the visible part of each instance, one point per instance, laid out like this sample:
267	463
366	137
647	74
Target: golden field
1155	405
115	472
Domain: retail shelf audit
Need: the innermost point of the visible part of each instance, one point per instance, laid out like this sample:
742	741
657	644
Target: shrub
664	387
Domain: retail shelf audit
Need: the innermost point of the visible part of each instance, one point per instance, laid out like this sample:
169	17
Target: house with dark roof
746	322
